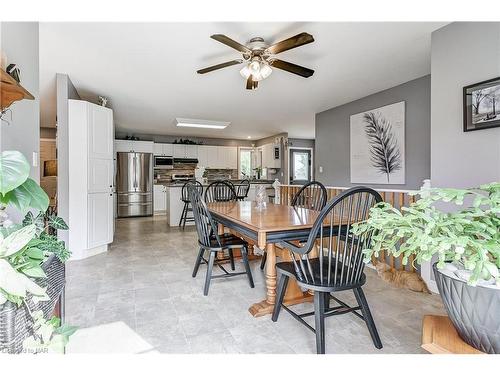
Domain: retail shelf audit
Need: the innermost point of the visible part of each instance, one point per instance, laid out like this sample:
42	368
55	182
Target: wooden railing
397	198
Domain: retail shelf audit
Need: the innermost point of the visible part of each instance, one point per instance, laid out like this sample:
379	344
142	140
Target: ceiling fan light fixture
245	72
265	70
254	66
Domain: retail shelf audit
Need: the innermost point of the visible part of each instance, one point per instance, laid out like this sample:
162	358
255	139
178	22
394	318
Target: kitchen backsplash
165	175
221	174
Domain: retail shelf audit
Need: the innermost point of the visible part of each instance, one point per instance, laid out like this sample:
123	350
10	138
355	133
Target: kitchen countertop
173	184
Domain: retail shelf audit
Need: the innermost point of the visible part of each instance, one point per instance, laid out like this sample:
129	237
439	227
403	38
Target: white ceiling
148	72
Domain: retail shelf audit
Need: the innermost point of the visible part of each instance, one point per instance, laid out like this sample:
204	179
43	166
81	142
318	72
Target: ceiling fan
259	58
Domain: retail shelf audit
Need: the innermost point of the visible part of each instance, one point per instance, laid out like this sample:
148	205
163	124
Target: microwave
164	162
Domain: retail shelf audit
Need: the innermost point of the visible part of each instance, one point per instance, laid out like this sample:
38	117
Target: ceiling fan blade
231	43
219	66
292	68
293	42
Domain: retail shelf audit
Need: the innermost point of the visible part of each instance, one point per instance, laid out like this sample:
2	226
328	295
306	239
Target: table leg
293	294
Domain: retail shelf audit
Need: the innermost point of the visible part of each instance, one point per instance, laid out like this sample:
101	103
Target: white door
179	151
100	132
100	219
100	176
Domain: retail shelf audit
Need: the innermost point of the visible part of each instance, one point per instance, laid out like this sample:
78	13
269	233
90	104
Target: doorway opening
300	166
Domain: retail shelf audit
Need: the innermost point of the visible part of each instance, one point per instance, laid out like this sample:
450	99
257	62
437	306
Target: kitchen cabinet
191	151
227	157
271	156
203	156
159	199
175	206
133	146
90	178
212	157
163	149
185	151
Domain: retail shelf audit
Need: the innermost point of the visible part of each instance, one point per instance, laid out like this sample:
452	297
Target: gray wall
332	145
64	91
463	53
19	42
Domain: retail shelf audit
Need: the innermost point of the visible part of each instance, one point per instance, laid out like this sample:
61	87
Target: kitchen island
173	204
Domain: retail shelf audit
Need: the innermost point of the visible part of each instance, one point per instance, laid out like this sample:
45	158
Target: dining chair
242	190
336	264
312	196
213	243
220	191
187	203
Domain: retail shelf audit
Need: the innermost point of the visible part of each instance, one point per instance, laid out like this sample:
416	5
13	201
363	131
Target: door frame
311	149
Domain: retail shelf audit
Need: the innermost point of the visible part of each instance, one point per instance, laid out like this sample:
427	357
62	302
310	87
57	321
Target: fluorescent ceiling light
195	123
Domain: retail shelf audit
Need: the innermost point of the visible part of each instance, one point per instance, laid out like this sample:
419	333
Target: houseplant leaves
14	170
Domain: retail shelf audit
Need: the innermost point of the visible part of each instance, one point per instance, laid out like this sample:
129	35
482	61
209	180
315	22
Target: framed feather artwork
378	145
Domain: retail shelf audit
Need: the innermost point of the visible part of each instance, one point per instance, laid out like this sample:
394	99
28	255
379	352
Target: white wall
463	53
19	42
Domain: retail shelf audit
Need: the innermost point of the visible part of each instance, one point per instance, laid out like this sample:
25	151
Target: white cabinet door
100	219
159	198
212	157
100	176
232	157
221	157
134	146
179	151
100	132
168	149
158	149
203	156
192	151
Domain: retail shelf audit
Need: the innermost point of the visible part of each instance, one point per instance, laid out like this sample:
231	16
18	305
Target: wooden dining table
264	227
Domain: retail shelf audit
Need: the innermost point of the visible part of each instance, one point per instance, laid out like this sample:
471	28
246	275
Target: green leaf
34	253
58	223
14	170
16	241
28	195
34	271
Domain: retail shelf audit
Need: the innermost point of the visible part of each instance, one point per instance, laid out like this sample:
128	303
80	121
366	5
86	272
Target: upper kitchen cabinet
271	156
185	151
227	157
133	146
203	156
164	149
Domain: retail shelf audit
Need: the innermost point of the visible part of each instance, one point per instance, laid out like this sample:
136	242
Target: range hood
185	161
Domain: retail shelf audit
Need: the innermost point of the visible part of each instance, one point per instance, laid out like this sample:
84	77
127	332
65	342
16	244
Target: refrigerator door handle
135	172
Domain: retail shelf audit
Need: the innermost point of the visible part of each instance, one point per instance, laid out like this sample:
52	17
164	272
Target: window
245	163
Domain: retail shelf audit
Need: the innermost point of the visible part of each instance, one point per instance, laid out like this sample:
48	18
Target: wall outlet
320	169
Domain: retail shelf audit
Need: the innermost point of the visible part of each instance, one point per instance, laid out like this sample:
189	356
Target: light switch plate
320	169
35	159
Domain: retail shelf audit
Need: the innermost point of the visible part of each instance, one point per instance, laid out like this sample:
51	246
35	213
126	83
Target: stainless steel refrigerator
134	184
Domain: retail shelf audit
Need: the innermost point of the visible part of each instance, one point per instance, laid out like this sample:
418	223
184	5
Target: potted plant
466	243
31	264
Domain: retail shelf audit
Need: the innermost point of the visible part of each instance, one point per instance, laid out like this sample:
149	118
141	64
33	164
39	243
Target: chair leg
231	258
327	301
209	272
198	261
263	260
370	323
185	216
282	284
244	255
182	214
319	320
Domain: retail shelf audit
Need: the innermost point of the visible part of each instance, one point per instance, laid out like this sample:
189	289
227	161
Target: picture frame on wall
482	105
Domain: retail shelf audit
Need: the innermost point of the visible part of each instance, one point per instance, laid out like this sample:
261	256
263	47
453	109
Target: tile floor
139	297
